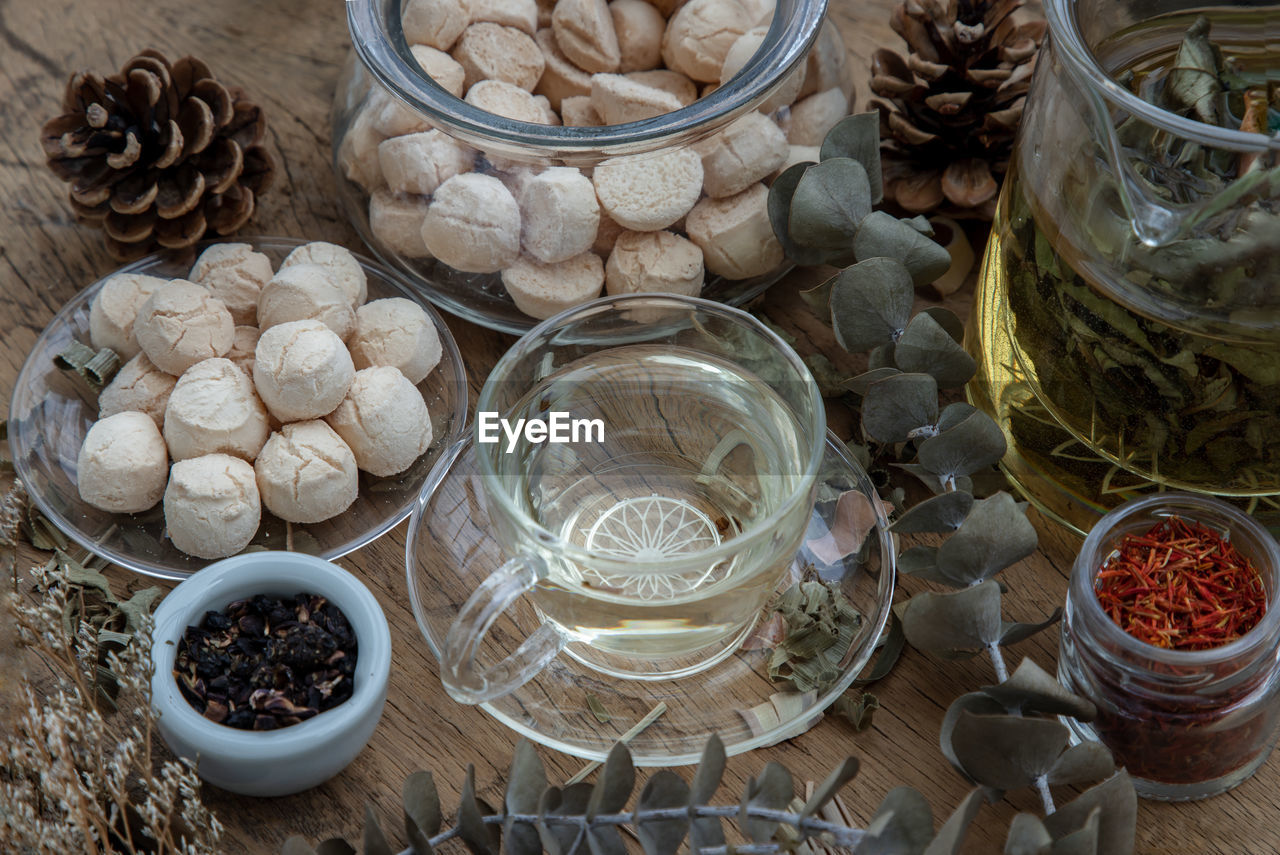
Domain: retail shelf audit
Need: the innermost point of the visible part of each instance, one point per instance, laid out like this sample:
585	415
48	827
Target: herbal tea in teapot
1127	325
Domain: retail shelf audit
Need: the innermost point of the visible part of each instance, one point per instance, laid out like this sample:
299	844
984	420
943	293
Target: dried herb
1181	585
266	663
96	367
818	624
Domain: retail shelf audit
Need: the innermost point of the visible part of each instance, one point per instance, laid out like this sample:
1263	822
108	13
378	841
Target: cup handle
464	680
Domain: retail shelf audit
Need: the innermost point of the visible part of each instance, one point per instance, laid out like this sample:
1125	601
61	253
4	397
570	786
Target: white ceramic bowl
294	758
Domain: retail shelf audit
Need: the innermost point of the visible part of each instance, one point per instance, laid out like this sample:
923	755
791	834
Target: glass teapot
1127	322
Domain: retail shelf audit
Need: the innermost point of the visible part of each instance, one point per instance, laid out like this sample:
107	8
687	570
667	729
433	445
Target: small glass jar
384	94
1187	724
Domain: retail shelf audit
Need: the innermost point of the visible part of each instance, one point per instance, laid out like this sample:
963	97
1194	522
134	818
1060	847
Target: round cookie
235	274
747	151
181	324
115	310
735	235
384	421
211	506
304	292
560	79
301	369
542	290
419	163
509	101
441	68
618	99
559	214
473	224
521	14
488	51
139	387
698	37
123	465
645	193
396	220
654	262
306	473
639	28
584	31
811	118
214	410
436	23
343	267
396	332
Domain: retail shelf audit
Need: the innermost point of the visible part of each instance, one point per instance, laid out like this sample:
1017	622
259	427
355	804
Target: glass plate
449	552
51	410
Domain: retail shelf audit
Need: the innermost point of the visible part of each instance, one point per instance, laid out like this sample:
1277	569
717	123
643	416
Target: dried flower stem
649	718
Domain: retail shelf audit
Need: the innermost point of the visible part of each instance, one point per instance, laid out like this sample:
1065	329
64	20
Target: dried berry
266	663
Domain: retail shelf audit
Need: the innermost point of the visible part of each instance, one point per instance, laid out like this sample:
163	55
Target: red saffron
1181	586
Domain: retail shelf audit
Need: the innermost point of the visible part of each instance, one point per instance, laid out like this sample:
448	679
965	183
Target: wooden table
288	53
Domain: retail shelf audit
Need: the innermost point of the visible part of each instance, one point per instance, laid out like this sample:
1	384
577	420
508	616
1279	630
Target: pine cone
953	105
159	154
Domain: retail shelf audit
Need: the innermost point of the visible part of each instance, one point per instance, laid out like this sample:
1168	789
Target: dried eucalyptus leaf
1117	823
771	790
854	519
954	414
710	770
859	385
375	842
954	624
927	348
526	781
422	814
1028	836
882	235
597	709
1087	761
977	703
1011	632
922	562
1083	841
818	299
571	801
665	789
930	480
613	788
137	609
895	407
870	304
881	357
335	846
831	785
479	838
297	846
942	513
706	832
995	535
920	223
829	202
858	137
858	710
948	320
891	650
951	836
780	195
902	825
1032	690
1193	83
973	444
605	840
1007	752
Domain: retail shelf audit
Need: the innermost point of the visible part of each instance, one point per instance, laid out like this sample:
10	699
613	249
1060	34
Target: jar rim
1069	42
379	42
1189	505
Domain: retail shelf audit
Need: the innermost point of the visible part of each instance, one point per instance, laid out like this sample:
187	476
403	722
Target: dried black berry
267	662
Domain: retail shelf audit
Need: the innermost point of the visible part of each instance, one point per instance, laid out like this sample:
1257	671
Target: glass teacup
649	464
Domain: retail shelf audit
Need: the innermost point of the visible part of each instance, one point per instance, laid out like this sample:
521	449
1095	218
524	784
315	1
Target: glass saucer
51	411
450	552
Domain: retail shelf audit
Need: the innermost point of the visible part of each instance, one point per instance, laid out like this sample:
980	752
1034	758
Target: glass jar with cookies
518	157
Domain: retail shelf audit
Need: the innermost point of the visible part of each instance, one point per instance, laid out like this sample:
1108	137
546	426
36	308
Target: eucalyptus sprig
823	213
580	818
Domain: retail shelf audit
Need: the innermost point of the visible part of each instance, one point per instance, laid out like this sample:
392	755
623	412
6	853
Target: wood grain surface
288	54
